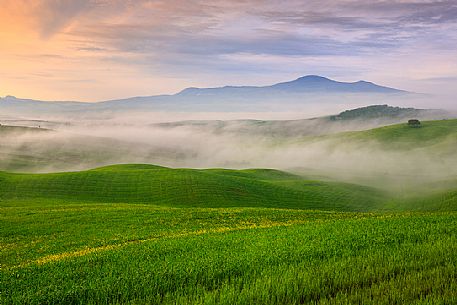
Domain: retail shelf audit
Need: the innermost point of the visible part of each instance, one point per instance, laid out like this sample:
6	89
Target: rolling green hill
402	136
397	136
445	200
213	188
188	188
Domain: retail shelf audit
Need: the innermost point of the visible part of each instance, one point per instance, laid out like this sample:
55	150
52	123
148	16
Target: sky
93	50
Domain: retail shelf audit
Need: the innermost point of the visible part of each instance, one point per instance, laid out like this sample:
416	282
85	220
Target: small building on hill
414	123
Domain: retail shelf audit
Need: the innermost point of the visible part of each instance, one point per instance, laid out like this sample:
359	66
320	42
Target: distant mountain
313	83
305	84
301	92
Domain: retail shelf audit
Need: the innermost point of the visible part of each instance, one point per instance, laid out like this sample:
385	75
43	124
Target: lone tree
414	123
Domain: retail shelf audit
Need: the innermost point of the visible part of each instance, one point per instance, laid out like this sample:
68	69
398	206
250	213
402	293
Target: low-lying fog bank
84	146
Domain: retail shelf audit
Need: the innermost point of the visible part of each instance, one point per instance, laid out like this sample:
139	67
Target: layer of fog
147	110
230	139
85	147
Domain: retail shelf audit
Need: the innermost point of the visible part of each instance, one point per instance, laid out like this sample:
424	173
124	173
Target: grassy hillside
215	188
146	234
444	200
188	188
397	136
402	136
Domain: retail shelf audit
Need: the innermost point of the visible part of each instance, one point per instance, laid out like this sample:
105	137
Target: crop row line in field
65	255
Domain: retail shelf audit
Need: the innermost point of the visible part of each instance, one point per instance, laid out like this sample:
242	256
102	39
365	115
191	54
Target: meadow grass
33	232
233	256
143	234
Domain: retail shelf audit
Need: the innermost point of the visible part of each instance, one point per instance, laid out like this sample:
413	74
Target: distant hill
384	111
402	136
350	120
12	130
299	92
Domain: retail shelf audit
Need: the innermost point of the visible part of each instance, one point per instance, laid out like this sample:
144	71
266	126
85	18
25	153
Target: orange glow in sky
91	50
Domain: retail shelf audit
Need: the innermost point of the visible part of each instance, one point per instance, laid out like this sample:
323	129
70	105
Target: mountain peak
312	78
320	84
308	84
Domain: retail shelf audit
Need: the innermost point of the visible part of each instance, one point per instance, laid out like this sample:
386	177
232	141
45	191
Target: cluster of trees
375	111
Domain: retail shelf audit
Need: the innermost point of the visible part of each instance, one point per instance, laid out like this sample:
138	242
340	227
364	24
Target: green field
438	137
139	254
145	234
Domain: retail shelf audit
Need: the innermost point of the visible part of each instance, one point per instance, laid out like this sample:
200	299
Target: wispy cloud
211	43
